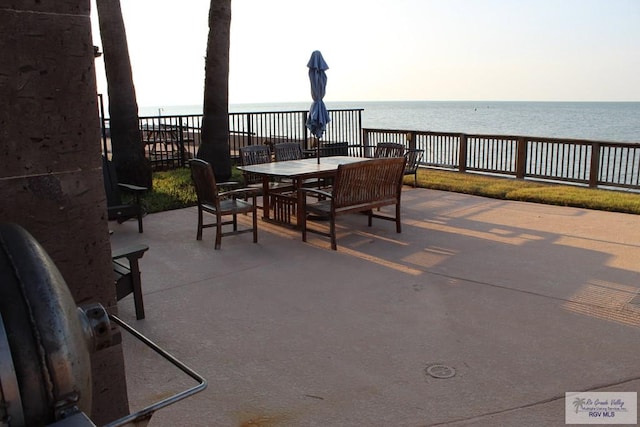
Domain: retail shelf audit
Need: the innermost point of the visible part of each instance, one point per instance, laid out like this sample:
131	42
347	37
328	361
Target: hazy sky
529	50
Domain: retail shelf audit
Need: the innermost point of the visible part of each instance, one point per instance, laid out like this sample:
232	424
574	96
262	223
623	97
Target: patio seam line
530	405
551	297
157	291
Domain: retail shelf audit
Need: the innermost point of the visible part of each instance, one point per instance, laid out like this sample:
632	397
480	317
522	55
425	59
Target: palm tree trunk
126	145
214	147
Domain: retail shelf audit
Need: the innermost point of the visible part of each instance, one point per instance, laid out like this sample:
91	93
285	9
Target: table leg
297	184
265	197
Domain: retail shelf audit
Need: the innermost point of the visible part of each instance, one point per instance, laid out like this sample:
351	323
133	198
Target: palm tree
214	146
126	145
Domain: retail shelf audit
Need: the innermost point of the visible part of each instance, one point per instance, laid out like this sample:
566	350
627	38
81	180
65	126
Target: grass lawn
173	190
530	191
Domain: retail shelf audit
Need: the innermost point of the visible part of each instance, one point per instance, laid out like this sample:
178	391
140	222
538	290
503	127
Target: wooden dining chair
413	159
389	149
221	203
255	155
287	151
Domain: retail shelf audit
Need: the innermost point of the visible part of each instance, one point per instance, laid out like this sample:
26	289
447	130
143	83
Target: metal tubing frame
147	412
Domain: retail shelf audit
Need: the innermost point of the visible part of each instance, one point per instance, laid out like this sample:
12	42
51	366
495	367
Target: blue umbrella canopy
318	114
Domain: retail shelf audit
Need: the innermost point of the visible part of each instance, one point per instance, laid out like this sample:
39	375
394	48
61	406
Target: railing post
521	157
249	131
594	170
305	130
462	153
181	142
365	142
360	133
411	139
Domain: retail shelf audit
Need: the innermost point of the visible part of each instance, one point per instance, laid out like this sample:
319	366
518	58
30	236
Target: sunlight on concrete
507	237
607	301
430	257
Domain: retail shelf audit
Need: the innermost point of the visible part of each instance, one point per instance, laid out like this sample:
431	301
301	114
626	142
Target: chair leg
218	231
137	289
332	232
398	222
199	232
255	225
139	208
303	220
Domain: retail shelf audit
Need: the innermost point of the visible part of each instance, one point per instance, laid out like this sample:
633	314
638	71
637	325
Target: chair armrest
133	252
250	192
318	192
232	184
132	188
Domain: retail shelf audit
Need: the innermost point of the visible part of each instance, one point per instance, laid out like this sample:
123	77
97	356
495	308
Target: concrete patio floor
524	301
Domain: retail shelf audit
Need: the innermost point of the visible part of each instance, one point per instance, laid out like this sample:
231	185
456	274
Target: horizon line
394	100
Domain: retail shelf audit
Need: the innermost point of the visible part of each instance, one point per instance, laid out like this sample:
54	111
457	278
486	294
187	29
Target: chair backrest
367	181
110	183
204	181
287	151
389	149
330	149
254	155
414	158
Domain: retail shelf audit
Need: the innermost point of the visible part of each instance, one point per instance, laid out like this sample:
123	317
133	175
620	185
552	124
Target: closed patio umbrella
318	114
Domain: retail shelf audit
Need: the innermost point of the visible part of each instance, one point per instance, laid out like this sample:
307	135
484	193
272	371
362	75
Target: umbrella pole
318	150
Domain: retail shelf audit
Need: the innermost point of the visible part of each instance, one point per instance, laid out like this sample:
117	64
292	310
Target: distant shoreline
168	110
597	120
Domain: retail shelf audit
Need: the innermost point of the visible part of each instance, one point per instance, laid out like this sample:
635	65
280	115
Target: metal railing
592	163
171	140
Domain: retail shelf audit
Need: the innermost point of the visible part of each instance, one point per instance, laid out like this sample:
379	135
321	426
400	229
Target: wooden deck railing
171	140
592	163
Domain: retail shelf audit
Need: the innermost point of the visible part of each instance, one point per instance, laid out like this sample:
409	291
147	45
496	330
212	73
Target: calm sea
604	121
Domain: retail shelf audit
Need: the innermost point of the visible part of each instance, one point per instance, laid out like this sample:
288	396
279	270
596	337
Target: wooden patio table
297	171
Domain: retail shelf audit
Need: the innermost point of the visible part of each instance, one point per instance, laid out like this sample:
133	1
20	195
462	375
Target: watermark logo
601	408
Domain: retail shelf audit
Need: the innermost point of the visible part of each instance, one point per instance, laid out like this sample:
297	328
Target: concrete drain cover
440	371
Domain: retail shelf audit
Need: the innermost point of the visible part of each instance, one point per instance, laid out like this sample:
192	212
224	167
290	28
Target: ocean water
601	121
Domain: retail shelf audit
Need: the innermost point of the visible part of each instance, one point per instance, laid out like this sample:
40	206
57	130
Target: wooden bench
358	187
127	275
